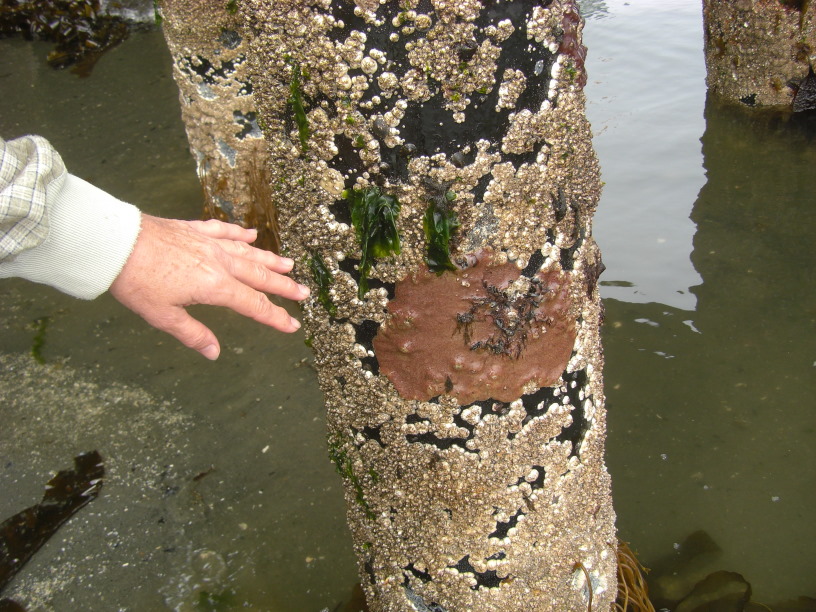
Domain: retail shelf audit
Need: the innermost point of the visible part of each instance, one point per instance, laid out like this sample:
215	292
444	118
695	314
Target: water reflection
646	92
721	436
593	9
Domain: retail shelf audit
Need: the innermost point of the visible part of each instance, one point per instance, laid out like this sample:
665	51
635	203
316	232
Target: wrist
91	236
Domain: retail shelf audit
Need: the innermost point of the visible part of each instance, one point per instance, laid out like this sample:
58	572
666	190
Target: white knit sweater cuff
91	236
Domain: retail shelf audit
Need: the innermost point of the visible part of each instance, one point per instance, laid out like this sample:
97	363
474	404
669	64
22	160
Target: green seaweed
343	464
41	327
571	71
216	602
374	216
323	277
157	13
440	222
232	7
296	102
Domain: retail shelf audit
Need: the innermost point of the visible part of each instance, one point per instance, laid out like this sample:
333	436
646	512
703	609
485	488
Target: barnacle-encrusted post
759	52
217	106
441	207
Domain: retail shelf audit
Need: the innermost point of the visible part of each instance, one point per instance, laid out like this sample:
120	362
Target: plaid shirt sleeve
30	168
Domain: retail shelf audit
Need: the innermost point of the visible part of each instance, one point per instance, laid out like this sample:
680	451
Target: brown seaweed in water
24	533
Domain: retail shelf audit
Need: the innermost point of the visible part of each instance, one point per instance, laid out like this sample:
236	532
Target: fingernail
295	322
304	290
211	352
288	261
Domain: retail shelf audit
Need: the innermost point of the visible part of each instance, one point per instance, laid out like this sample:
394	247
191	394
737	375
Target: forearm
56	228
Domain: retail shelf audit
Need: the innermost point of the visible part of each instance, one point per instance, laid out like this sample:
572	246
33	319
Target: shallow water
709	343
710	301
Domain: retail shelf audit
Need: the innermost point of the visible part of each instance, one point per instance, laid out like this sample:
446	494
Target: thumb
190	332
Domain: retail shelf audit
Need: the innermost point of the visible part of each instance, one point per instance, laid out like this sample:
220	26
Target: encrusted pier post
760	52
436	181
218	109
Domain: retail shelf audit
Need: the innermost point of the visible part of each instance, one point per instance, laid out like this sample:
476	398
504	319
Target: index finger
213	228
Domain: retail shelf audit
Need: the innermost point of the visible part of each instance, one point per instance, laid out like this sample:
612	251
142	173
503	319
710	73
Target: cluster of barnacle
203	72
368	136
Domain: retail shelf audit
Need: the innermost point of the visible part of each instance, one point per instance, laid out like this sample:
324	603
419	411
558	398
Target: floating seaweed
40	326
24	533
633	593
78	28
687	580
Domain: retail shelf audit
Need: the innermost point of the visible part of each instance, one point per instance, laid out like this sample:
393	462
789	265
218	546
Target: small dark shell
458	159
380	128
467	50
229	38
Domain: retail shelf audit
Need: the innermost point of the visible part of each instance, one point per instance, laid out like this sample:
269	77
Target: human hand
179	263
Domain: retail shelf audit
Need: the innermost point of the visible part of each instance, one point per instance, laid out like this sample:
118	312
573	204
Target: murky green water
707	227
710	349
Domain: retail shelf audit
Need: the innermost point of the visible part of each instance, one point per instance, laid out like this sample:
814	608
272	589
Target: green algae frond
343	465
40	325
322	276
439	223
374	216
296	101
